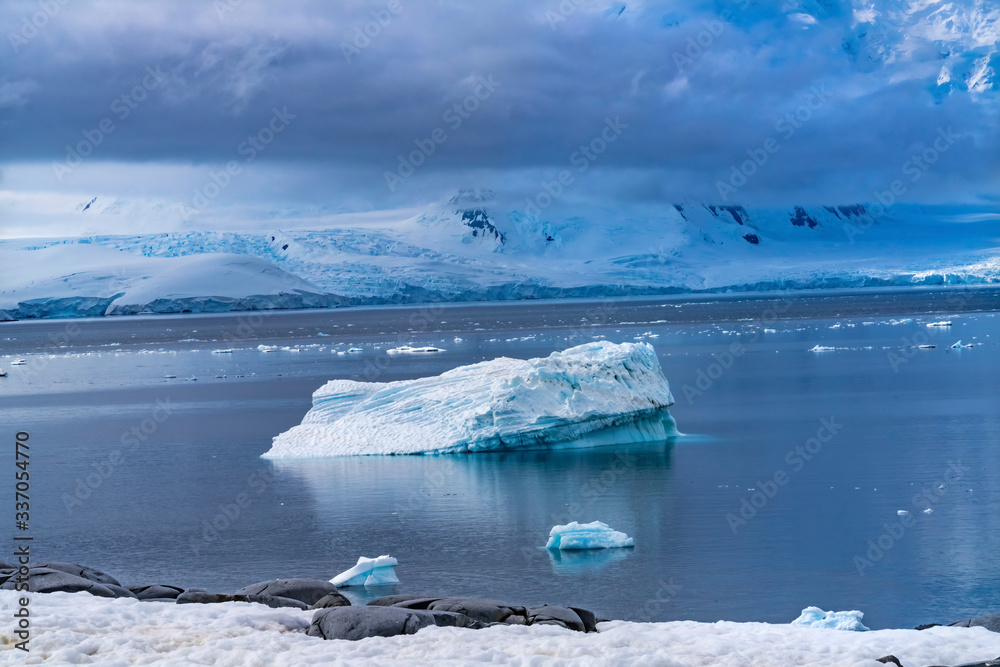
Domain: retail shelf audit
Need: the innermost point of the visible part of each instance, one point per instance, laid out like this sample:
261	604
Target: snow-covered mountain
471	247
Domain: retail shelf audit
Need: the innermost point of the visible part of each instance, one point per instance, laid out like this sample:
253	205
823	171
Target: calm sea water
146	435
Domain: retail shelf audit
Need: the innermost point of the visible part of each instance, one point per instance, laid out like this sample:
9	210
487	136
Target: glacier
593	535
595	394
369	572
814	617
484	250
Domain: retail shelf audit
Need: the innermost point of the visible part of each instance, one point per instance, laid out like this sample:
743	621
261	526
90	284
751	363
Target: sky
212	111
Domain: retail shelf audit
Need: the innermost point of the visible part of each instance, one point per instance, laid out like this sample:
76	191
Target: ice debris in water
369	572
594	535
814	617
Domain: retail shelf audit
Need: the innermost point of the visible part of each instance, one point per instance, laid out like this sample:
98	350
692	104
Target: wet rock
48	580
156	592
331	600
484	611
197	596
889	660
309	591
397	600
354	623
990	622
82	571
562	616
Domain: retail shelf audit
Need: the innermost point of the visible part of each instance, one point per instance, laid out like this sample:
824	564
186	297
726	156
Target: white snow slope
77	628
471	248
594	394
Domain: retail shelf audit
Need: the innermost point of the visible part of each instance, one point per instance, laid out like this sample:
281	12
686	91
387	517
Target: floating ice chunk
821	348
959	346
814	617
599	393
267	348
321	334
226	351
406	349
942	323
902	513
594	535
928	511
926	347
369	572
19	362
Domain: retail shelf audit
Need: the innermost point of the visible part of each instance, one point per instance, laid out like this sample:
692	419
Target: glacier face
594	394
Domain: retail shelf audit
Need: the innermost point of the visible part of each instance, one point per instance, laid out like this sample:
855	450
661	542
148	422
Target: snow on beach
77	628
593	394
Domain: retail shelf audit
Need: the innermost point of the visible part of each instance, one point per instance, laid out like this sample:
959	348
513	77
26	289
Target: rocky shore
335	617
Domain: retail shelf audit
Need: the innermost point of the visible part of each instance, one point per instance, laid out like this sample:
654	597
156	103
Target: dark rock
889	660
276	601
589	619
331	600
48	580
417	603
83	572
395	600
309	591
991	622
355	623
927	625
484	611
156	592
196	596
561	616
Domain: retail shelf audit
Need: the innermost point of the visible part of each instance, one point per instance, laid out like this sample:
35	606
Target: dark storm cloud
558	71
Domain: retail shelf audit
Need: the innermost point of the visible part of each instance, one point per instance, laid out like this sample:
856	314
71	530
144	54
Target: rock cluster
335	617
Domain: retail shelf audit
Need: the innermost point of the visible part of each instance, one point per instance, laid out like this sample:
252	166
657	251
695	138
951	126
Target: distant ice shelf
599	393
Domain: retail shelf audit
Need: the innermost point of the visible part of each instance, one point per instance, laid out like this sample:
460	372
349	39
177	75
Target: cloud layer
838	97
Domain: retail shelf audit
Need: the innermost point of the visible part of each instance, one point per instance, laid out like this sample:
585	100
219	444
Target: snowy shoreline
79	628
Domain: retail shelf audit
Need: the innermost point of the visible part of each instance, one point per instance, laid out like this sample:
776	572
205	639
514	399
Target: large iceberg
599	393
593	535
369	572
814	617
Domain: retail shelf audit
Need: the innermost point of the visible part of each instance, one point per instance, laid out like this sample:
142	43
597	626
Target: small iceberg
814	617
594	535
406	349
942	323
959	346
821	348
591	395
19	362
369	572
